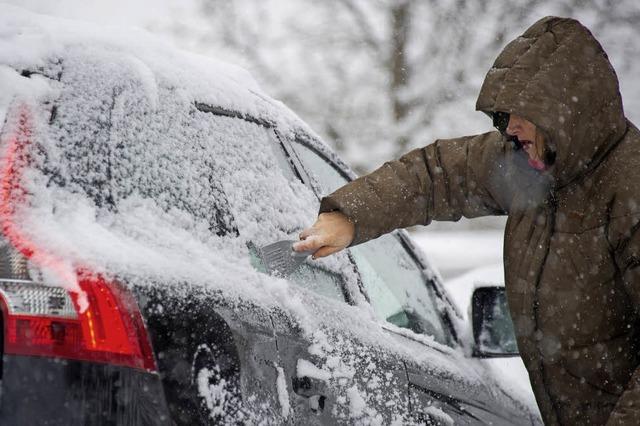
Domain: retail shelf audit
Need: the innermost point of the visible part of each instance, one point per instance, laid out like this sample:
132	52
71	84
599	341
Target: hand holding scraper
331	233
280	258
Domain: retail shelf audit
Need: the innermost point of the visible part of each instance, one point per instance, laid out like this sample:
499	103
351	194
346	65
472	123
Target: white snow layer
283	394
456	252
126	93
307	369
211	393
439	416
357	404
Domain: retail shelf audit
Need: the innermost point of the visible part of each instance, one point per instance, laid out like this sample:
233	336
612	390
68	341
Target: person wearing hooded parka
572	195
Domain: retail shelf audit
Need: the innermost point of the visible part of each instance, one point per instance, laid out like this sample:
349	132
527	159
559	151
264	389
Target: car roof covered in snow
32	43
108	86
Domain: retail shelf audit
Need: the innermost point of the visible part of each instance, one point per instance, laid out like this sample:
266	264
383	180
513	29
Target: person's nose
514	126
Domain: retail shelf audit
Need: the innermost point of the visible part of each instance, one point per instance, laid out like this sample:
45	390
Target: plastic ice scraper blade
280	258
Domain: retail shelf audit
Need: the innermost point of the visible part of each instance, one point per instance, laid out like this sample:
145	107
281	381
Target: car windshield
397	288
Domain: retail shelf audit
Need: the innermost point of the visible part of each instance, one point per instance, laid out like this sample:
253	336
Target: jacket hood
557	76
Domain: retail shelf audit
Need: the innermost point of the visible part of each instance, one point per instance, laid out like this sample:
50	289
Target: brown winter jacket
572	241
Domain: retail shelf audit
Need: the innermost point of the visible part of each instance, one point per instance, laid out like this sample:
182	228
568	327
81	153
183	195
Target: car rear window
116	149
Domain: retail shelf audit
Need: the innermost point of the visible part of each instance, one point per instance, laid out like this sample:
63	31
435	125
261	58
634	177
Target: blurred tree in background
376	78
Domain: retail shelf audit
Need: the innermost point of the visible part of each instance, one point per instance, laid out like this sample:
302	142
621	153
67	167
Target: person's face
530	139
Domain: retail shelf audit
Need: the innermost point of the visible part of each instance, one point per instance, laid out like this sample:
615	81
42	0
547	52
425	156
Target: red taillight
110	330
50	321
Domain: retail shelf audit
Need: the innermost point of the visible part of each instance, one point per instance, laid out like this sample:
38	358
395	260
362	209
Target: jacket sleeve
627	409
443	181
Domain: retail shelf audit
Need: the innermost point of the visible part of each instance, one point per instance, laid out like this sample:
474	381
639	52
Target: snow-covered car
137	186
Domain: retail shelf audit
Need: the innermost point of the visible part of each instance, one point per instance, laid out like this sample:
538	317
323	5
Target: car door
441	380
323	372
443	385
332	373
217	358
401	297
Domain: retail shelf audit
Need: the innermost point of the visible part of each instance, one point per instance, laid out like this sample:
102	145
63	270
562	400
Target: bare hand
331	233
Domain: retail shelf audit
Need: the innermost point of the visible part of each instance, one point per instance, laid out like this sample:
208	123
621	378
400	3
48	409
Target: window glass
396	287
319	280
311	277
497	334
325	176
282	159
394	282
249	161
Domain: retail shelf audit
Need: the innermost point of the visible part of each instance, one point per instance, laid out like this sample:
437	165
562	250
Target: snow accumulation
117	169
210	393
308	369
455	252
439	416
283	394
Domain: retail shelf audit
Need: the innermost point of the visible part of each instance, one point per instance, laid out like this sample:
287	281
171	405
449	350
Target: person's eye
501	121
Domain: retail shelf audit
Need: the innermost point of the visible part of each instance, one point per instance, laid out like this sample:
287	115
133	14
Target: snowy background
376	78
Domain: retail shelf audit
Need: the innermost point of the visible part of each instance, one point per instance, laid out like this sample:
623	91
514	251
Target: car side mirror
493	332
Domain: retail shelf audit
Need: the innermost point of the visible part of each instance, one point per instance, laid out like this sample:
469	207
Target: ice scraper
280	258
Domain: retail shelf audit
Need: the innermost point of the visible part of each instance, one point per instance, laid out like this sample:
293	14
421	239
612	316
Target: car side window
397	287
325	176
394	282
311	277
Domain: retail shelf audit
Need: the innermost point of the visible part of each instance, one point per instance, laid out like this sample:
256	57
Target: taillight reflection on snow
50	321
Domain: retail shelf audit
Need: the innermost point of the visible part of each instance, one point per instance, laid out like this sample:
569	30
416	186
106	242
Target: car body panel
354	380
240	371
46	391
